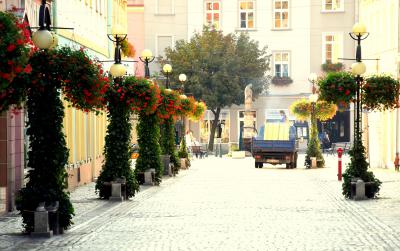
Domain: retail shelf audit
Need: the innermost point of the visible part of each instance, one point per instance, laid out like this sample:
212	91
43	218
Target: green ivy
358	168
313	147
148	133
168	143
48	156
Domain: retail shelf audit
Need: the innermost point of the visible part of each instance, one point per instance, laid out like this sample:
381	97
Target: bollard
339	152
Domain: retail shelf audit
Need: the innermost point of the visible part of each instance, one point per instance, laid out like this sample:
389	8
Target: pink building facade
136	31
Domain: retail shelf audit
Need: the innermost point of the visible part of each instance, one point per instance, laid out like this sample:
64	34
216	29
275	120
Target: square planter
238	154
183	163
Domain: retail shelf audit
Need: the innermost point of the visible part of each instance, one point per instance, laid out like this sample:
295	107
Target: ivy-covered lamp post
182	153
117	141
358	34
146	58
52	71
182	79
167	69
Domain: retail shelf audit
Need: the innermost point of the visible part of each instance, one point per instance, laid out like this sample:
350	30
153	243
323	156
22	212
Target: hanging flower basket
139	94
338	88
198	111
325	110
14	54
302	109
380	93
169	104
187	105
87	91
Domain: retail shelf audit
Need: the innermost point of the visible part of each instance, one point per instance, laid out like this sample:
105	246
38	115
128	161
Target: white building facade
300	35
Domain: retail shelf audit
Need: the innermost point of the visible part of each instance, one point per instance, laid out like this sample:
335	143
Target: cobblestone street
227	204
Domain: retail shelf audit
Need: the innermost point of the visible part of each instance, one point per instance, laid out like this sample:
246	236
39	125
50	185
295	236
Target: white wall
296	39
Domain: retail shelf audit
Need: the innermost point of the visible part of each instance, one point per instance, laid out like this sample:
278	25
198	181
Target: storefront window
205	126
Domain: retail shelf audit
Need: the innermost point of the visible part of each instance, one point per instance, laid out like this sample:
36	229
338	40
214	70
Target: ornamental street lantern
118	36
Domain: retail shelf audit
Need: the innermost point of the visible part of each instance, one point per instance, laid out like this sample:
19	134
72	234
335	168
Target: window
246	13
165	7
332	47
212	14
281	64
163	42
281	14
205	126
333	5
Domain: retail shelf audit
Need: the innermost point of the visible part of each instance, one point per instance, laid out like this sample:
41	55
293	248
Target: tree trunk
213	127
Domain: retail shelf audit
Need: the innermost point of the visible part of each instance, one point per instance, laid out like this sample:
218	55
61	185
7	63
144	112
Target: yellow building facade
381	18
91	21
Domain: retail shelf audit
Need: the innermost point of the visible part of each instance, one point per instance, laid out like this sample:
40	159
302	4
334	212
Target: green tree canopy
218	68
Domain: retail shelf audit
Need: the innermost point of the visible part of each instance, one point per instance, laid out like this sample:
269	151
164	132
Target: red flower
11	47
347	93
28	69
18	69
340	88
20	41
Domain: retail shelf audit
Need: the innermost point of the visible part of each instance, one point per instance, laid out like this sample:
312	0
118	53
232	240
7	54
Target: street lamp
146	58
167	68
182	79
358	33
117	35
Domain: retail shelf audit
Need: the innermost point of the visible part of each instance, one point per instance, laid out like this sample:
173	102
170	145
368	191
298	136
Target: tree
218	68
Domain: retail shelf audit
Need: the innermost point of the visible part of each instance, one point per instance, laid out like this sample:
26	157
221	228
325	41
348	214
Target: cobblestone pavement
227	204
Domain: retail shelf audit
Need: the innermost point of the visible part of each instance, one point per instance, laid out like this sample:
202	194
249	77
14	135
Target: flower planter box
238	154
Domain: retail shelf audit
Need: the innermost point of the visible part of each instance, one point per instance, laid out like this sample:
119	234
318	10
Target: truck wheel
260	165
288	165
256	164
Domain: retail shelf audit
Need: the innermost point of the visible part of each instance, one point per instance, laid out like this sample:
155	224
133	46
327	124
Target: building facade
382	19
301	36
135	23
91	21
12	132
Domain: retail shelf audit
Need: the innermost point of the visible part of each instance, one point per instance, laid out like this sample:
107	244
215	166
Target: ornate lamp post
146	58
167	69
117	35
358	68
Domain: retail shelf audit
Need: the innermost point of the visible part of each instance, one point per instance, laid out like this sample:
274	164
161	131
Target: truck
275	146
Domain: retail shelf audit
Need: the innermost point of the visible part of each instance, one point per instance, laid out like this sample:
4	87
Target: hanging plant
186	105
198	111
87	91
15	48
127	48
380	93
169	104
325	110
338	88
302	109
139	94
